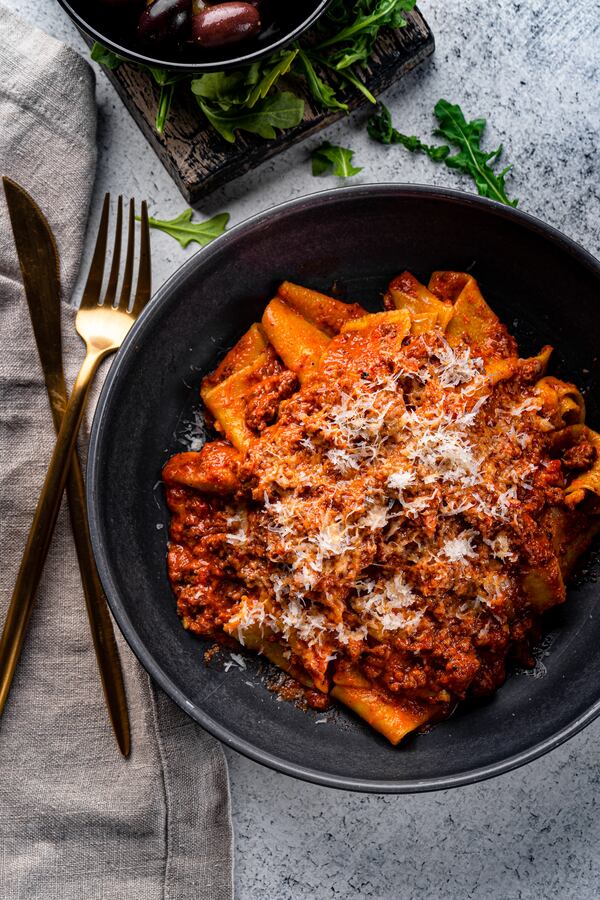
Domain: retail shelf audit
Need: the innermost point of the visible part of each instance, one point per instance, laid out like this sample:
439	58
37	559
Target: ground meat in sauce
580	457
428	550
292	691
265	398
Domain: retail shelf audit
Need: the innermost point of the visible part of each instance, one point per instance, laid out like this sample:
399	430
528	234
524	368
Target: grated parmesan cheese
235	660
460	548
414	446
456	366
193	433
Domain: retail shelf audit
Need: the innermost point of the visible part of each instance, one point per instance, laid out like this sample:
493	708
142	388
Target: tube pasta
502	369
400	318
562	403
393	719
544	586
406	292
472	319
247	350
228	401
587	485
321	310
299	343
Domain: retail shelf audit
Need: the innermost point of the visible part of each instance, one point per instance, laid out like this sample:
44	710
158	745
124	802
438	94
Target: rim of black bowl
137	333
194	67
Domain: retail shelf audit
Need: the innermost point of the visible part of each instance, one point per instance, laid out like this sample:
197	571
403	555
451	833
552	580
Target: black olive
165	22
225	23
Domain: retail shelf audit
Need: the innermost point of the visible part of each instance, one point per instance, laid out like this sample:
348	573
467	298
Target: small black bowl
542	285
292	22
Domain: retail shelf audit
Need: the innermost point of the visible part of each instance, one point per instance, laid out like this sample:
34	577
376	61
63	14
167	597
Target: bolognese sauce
395	522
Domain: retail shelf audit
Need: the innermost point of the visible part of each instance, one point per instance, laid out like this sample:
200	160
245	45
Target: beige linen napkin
76	820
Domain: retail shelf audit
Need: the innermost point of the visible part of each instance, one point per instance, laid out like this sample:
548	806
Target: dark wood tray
200	160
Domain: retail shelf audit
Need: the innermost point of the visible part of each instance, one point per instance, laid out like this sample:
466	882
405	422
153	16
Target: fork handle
42	527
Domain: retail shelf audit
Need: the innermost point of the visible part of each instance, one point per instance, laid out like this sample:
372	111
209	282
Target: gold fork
103	323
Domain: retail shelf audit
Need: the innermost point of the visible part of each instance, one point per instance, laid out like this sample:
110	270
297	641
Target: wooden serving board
200	160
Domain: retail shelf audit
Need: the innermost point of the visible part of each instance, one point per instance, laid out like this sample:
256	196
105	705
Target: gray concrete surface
532	68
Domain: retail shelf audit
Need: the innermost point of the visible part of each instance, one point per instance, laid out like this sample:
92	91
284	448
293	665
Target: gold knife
39	261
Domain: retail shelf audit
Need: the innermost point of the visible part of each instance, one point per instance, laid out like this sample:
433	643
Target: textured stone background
533	69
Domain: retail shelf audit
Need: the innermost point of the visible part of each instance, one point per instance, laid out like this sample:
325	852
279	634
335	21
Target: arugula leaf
165	101
381	129
322	92
348	33
354	42
464	136
185	231
277	111
338	159
100	54
166	82
367	20
272	75
244	99
243	87
226	89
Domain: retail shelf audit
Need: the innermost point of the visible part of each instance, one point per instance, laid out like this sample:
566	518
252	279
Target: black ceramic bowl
542	285
293	19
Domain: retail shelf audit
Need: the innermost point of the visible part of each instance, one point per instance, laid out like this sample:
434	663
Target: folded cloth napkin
77	820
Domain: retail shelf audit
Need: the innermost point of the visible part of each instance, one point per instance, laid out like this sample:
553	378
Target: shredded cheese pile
381	494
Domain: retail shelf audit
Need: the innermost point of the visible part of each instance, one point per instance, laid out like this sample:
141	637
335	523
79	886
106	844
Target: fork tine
128	274
93	285
111	290
144	283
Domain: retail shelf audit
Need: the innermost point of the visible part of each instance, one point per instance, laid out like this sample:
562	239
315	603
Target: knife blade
40	268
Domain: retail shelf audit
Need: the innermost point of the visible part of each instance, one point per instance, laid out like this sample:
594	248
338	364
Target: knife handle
101	628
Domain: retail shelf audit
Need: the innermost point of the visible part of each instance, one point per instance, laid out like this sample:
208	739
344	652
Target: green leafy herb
381	129
265	80
338	159
166	82
244	100
322	92
185	231
463	137
466	136
267	96
105	57
360	24
165	101
277	111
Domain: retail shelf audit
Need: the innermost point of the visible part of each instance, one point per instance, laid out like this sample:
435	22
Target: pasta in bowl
352	242
392	502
